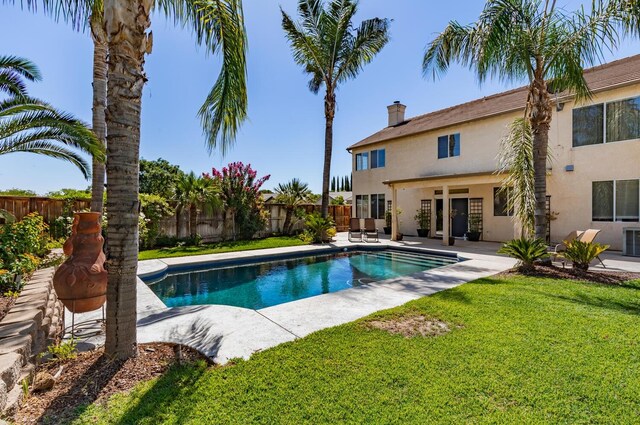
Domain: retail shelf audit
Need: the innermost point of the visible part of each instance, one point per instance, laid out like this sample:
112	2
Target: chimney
396	113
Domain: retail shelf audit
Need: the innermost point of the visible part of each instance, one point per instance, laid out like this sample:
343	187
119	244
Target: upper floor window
615	200
378	158
362	161
449	146
607	122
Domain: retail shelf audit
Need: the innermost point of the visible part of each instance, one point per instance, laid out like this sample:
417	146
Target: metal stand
85	328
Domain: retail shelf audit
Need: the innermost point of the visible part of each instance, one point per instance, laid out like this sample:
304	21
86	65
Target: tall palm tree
331	51
31	125
218	25
195	193
98	119
535	41
292	194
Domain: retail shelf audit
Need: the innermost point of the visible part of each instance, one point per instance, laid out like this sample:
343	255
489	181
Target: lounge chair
562	246
589	236
370	230
355	231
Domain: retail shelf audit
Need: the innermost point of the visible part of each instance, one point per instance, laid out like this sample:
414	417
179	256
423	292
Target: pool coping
225	332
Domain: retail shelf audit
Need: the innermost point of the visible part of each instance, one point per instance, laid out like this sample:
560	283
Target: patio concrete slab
219	332
308	315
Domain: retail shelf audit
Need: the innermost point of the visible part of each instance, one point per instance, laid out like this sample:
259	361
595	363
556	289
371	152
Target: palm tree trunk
193	220
126	24
286	227
98	123
329	113
540	117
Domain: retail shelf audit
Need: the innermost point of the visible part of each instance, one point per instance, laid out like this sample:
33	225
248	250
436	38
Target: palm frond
76	12
13	72
370	39
50	149
515	159
219	25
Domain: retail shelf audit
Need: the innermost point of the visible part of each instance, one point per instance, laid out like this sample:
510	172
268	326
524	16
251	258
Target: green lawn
522	350
230	246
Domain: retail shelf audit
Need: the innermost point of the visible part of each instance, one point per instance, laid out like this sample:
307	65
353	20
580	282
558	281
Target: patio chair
589	236
370	230
355	229
562	246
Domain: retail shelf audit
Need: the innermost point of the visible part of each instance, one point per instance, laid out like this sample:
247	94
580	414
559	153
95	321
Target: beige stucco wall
416	156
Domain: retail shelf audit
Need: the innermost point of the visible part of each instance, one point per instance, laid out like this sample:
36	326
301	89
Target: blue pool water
270	283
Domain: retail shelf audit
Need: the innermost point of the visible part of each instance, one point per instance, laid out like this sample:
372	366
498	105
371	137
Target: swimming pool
269	283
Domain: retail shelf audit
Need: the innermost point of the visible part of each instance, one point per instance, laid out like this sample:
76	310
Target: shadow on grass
628	307
169	396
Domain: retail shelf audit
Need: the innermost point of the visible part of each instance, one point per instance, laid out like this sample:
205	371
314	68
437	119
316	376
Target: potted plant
423	220
387	219
474	227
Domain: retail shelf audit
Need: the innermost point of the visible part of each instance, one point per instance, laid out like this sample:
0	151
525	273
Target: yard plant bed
604	277
91	377
221	247
520	349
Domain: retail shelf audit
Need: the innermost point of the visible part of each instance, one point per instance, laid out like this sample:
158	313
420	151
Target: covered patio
470	205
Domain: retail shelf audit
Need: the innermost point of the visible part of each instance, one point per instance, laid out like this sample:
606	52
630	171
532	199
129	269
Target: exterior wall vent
631	241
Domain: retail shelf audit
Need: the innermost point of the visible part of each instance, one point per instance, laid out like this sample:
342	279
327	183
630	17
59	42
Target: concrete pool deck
225	332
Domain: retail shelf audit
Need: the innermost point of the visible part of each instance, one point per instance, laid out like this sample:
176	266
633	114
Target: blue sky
285	132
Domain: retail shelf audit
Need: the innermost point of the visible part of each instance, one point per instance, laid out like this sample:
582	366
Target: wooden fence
48	208
210	226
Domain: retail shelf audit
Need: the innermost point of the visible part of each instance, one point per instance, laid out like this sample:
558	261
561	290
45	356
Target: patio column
446	208
394	215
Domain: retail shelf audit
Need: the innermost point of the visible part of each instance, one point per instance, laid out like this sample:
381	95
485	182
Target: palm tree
292	194
535	41
31	125
98	119
331	51
195	193
219	25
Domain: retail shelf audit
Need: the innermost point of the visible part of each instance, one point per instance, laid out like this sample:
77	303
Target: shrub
319	229
240	194
63	350
526	251
154	208
581	254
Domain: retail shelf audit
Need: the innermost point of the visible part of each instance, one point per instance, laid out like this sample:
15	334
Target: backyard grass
217	248
520	350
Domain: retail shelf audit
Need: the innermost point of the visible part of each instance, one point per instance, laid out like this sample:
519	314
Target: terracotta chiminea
81	281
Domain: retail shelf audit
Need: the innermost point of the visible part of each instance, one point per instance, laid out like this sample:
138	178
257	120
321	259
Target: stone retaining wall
34	321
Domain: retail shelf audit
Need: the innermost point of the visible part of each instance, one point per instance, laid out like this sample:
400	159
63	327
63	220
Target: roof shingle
614	74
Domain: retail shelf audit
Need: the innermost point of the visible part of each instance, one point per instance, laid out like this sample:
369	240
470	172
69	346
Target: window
362	206
607	122
501	202
627	197
587	125
378	158
449	146
377	206
623	120
362	161
616	200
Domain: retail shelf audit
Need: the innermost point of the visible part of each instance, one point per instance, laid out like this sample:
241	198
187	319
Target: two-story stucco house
448	157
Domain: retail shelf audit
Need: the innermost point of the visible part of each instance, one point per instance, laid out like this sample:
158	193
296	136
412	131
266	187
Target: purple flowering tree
240	194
